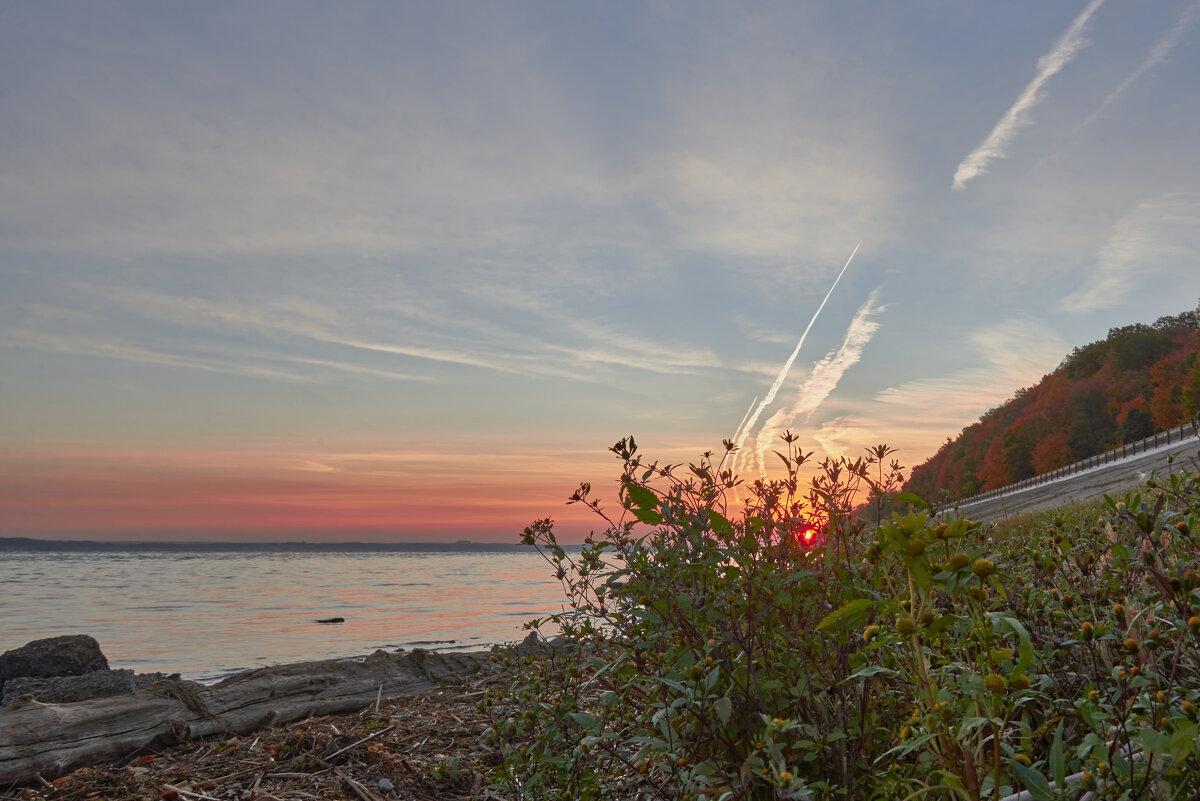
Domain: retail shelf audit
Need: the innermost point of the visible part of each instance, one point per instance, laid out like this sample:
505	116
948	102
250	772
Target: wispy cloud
916	415
996	145
309	466
823	379
1162	48
1158	235
116	348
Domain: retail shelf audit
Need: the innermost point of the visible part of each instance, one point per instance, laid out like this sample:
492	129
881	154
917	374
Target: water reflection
207	614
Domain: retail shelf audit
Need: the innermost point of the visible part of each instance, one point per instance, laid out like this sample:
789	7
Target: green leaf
855	607
719	524
1034	782
1058	762
909	497
1025	650
585	722
642	498
1181	741
723	707
871	670
1153	741
648	516
916	569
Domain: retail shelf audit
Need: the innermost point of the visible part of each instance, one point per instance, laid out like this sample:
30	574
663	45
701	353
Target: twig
379	696
189	793
228	776
360	742
360	790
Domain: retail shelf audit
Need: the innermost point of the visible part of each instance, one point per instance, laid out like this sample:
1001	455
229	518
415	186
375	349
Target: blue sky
372	270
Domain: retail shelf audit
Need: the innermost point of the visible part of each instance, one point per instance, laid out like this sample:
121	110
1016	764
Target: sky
406	271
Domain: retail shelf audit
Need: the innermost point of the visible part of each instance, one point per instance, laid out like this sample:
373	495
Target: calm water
207	614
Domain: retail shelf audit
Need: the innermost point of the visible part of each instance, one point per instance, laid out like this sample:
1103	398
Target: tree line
1138	380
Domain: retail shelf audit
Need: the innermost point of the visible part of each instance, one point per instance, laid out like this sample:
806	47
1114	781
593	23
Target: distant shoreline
12	544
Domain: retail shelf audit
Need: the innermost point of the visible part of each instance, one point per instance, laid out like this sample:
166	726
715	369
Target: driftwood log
49	740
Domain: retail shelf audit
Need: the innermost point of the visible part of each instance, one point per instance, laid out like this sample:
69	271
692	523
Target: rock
385	785
68	689
71	655
330	620
532	644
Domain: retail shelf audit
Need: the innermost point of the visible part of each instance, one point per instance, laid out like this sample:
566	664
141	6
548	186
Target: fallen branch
39	740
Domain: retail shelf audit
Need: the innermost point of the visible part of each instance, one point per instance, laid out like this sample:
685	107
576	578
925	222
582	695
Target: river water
206	614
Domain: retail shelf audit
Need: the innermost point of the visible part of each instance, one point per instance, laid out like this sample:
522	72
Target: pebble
385	785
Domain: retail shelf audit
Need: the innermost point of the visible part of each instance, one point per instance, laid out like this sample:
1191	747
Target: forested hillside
1138	380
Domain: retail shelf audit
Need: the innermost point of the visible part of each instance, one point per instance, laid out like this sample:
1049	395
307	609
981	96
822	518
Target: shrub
734	641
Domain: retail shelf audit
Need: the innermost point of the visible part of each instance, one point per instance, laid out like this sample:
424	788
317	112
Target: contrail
825	376
995	146
1187	19
749	409
779	379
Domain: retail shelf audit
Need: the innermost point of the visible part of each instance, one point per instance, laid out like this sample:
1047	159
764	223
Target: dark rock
71	655
331	620
532	645
68	689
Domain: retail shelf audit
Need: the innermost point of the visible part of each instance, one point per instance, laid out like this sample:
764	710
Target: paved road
1115	477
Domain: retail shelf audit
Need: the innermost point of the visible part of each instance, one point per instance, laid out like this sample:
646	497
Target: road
1115	477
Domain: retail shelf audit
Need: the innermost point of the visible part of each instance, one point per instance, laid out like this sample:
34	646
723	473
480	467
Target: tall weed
775	641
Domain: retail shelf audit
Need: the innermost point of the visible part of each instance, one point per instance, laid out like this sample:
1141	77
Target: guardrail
1180	434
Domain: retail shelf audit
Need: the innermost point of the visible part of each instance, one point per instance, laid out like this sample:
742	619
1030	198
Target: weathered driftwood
52	739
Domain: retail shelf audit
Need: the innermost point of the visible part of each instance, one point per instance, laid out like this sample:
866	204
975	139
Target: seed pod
994	682
905	626
983	567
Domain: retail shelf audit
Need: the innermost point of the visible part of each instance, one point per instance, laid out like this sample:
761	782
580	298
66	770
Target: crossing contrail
744	430
749	409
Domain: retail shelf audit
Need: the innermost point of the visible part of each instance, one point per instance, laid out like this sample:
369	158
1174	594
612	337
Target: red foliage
1076	411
